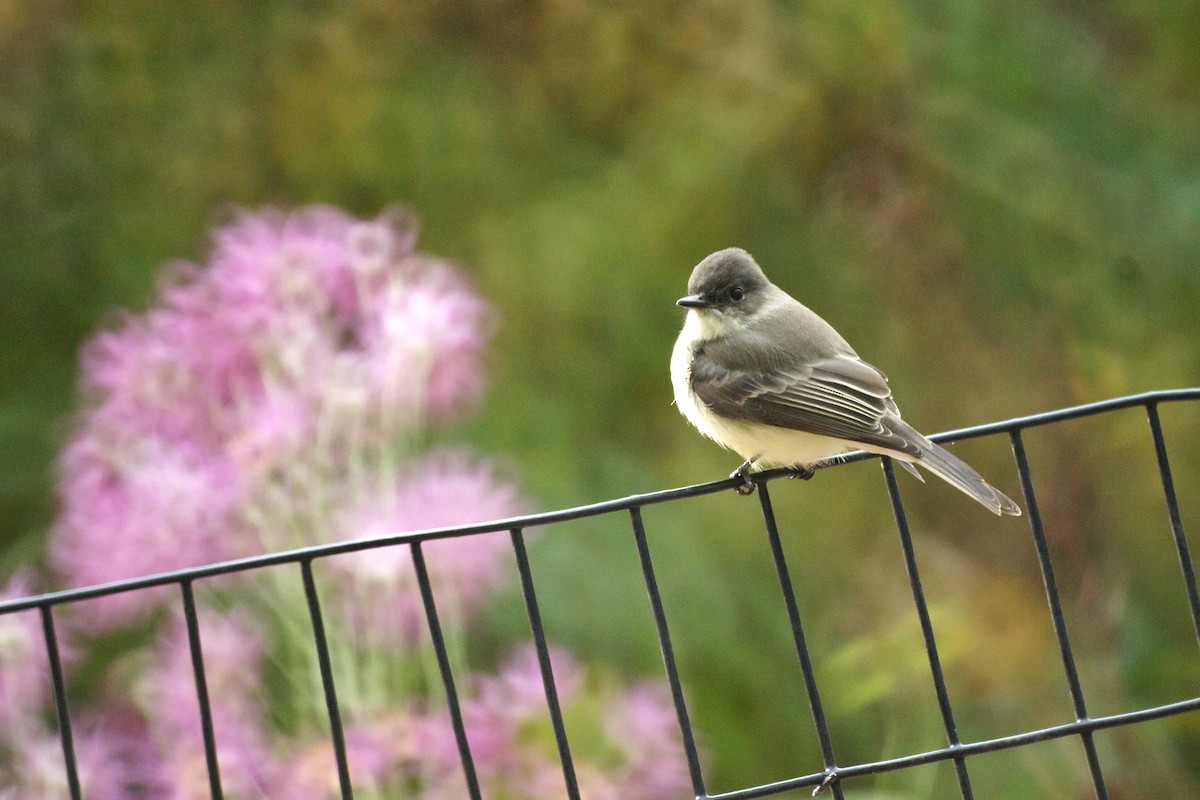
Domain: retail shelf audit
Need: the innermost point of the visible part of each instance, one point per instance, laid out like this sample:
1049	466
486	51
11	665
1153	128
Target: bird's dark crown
717	276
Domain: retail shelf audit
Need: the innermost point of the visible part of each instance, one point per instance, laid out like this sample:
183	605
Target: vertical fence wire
1181	542
336	733
806	667
931	649
1056	613
543	654
668	653
443	659
201	682
65	736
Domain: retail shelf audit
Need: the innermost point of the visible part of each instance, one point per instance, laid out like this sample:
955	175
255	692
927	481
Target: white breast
766	445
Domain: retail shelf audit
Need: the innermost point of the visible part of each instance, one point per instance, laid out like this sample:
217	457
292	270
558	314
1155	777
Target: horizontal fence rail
832	775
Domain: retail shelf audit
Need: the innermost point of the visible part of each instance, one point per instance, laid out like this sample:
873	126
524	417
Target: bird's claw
829	778
745	485
801	473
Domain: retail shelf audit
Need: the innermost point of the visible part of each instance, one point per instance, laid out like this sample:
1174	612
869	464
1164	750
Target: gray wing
843	397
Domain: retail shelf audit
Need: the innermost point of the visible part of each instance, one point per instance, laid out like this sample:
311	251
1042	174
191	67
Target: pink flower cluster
153	748
377	588
275	396
411	745
112	757
234	661
24	667
635	727
288	369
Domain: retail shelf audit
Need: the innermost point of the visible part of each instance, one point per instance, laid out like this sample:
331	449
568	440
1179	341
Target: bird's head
727	284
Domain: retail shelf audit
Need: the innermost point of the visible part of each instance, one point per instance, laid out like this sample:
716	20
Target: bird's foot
801	473
829	779
742	473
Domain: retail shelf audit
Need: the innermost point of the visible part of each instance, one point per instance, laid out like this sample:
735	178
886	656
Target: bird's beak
693	301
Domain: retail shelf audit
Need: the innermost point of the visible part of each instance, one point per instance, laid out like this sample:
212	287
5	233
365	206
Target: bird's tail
954	471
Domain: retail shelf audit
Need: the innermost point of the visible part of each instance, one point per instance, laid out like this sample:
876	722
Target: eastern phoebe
759	373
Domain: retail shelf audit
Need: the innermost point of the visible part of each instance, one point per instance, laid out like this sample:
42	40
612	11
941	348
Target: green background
997	203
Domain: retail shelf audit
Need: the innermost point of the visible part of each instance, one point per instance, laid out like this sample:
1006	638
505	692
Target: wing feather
843	397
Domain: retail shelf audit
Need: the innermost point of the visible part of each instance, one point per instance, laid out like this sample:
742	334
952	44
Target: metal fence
833	774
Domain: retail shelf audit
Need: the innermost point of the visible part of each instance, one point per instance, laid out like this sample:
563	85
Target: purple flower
322	295
378	587
136	509
626	744
519	690
495	714
429	326
374	752
305	353
500	720
24	667
643	724
271	398
233	660
111	756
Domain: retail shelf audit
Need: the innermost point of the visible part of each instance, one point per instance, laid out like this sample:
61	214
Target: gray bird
764	376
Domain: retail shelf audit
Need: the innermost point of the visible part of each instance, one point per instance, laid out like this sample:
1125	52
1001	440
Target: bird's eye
736	294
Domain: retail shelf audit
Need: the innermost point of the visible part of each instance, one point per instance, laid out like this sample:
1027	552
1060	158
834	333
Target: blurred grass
995	202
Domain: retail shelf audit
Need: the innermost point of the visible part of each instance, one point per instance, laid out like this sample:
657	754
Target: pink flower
138	508
112	759
374	752
624	743
320	292
429	330
24	667
233	659
307	351
508	728
519	690
271	398
642	722
494	715
378	587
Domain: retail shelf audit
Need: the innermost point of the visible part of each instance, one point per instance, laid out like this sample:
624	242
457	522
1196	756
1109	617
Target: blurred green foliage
996	202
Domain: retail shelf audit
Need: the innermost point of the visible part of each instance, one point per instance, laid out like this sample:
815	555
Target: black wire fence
830	778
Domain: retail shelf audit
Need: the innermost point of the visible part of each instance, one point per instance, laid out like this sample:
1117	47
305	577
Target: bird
759	373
